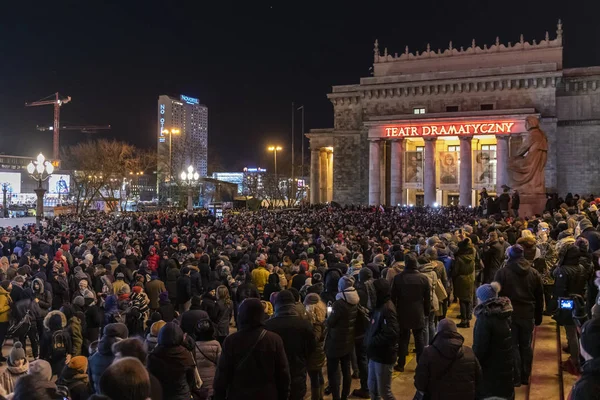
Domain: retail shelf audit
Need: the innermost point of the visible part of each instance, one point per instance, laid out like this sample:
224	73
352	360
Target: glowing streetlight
40	170
190	178
275	149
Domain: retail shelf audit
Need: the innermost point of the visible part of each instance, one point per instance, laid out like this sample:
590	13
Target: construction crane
57	102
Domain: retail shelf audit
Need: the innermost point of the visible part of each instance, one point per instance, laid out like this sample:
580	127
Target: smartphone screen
566	304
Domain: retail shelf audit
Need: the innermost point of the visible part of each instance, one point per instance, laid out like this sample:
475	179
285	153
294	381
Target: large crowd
279	304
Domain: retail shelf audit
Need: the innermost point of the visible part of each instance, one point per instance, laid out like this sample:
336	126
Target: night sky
247	62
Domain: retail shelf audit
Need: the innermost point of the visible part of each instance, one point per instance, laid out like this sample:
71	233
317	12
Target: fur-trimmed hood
63	319
500	307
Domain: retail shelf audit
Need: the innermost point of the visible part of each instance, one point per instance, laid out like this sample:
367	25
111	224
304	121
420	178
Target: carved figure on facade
526	168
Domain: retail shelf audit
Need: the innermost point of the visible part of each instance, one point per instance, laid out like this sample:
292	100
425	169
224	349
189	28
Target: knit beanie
446	325
42	369
345	282
16	353
311	299
79	364
488	291
515	252
285	297
156	327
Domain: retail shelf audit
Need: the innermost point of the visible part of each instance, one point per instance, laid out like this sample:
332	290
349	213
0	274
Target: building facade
182	137
438	126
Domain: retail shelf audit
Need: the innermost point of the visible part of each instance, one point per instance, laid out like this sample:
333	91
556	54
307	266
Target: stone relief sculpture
526	168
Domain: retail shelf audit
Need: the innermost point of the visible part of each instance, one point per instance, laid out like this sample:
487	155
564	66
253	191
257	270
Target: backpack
20	328
58	345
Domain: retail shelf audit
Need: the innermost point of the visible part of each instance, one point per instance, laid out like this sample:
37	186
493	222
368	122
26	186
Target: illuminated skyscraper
182	137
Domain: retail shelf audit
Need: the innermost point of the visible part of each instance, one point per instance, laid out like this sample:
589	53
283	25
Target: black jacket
515	201
265	374
174	368
492	344
493	257
298	341
593	237
411	293
196	281
588	386
382	337
213	308
340	326
523	286
184	289
448	370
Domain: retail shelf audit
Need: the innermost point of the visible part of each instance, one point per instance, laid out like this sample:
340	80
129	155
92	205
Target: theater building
437	126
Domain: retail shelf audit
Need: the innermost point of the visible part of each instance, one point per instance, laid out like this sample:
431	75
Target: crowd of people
280	304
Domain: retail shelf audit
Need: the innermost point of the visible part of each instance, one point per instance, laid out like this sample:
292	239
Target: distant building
176	151
248	181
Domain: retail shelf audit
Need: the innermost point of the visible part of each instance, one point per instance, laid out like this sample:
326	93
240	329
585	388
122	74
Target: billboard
59	184
484	168
413	170
13	179
448	167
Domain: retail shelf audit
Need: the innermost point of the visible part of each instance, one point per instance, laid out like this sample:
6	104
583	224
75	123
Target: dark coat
448	370
492	344
411	295
299	280
196	280
340	326
493	257
265	374
593	237
588	386
171	282
166	310
174	368
100	361
316	360
298	341
523	286
184	289
463	274
213	308
382	337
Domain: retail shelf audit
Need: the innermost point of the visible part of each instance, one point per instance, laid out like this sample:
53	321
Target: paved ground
4	222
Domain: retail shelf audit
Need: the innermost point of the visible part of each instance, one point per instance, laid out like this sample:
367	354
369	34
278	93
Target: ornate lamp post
190	178
40	170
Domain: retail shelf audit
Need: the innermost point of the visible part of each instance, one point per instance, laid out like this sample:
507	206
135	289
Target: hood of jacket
449	344
47	323
350	296
520	266
40	284
500	307
170	335
382	292
427	268
18	370
332	276
527	242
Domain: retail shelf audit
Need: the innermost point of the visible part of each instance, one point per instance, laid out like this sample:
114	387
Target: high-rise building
182	137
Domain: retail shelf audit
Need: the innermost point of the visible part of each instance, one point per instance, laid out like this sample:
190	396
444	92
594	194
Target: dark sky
247	61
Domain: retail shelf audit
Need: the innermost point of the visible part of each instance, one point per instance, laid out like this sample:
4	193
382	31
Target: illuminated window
487	107
451	108
419	110
420	148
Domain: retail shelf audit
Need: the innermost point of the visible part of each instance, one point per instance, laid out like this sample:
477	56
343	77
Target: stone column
501	162
397	156
466	171
315	177
329	175
323	176
429	173
374	172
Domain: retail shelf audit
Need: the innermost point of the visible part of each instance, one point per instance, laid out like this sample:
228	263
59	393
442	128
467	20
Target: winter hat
79	364
5	284
79	301
446	325
585	224
488	291
345	283
365	274
156	327
120	275
285	297
116	329
163	296
317	278
311	299
42	369
16	353
137	289
515	252
590	337
251	313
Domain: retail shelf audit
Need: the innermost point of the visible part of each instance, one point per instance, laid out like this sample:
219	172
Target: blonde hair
316	312
223	294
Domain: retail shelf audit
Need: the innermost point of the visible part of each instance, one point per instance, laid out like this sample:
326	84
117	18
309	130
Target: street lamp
40	170
190	178
275	149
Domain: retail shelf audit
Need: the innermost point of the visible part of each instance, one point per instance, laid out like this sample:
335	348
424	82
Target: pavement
12	222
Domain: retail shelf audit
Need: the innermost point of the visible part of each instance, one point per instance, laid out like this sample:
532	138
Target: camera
566	304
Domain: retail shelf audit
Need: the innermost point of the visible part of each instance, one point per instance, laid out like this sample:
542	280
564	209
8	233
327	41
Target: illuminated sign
254	169
454	129
59	184
161	120
189	100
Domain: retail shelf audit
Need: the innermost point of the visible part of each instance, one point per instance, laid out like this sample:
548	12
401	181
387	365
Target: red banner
455	129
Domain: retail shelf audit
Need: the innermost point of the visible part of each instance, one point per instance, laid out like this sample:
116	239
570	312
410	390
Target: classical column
315	177
397	150
374	173
323	182
501	162
429	179
466	171
329	175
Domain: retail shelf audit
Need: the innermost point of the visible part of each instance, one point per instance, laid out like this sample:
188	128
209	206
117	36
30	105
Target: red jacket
153	260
